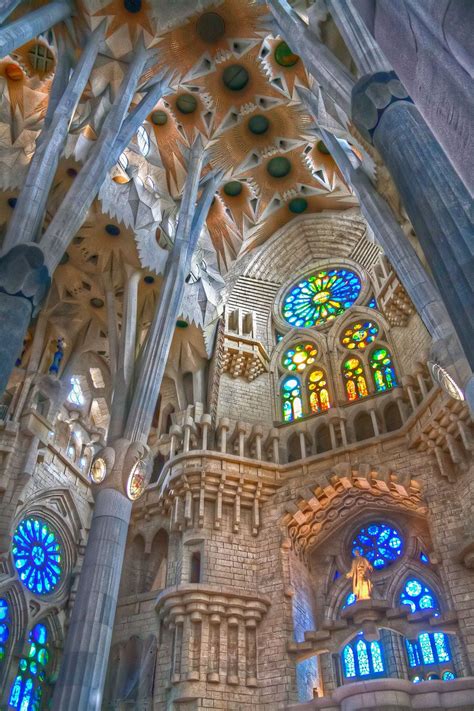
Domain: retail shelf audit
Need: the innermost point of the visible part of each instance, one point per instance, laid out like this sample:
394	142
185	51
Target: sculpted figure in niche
360	573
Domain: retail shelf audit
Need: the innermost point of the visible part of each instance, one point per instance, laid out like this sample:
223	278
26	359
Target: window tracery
321	297
291	399
354	379
298	357
4	627
28	687
379	543
362	659
418	596
382	369
37	556
318	391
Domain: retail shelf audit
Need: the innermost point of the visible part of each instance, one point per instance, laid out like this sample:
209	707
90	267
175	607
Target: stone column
436	201
84	665
24	282
31	25
446	348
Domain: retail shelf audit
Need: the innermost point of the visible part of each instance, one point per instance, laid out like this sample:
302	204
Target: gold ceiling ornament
280	177
284	68
259	133
169	141
237	196
37	58
27	96
319	160
125	27
207	37
192	110
238	86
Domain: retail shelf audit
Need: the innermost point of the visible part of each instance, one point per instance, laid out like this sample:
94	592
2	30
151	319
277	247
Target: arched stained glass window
362	659
27	690
372	303
4	627
448	676
382	369
37	556
291	399
418	596
379	543
320	297
429	648
359	335
318	391
299	356
350	600
354	379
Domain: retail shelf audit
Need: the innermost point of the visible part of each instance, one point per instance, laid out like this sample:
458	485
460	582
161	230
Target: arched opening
134	569
158	464
363	426
158	561
323	439
188	388
293	448
392	417
195	568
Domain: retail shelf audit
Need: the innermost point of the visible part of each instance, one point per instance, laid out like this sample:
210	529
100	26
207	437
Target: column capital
23	273
123	466
371	96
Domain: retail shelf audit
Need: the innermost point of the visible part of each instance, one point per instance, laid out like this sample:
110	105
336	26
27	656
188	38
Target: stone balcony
397	695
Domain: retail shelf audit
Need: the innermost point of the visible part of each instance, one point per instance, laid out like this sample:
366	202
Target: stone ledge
398	694
203	600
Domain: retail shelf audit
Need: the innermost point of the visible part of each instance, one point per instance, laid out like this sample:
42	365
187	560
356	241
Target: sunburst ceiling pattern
233	82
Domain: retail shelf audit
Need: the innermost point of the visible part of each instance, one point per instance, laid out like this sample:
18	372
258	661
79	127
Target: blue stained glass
383	371
321	297
37	556
26	690
362	658
376	654
349	665
426	649
350	600
4	628
442	646
417	679
291	399
372	303
448	676
412	659
424	558
371	543
418	596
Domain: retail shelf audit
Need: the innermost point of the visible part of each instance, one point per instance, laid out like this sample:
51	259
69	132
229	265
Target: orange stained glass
318	393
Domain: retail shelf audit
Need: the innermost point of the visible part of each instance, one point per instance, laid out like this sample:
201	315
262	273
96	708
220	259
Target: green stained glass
27	689
299	356
320	298
382	369
291	399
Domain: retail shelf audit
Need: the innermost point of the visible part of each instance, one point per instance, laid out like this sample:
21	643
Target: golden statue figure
360	573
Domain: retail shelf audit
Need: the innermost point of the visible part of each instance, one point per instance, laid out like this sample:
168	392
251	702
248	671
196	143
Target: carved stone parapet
447	431
23	273
243	357
371	97
218	603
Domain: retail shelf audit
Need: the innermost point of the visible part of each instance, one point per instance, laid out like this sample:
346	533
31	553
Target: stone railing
396	694
375	416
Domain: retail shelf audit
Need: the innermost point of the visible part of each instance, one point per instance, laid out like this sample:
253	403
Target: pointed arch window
382	369
291	399
418	596
4	627
76	396
29	686
318	394
354	379
428	648
362	659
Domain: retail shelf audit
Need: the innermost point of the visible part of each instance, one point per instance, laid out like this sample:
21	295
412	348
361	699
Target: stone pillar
31	25
205	425
436	201
24	282
84	665
224	425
